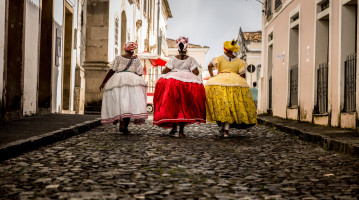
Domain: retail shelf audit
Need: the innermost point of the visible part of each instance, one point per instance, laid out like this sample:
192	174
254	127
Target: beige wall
2	47
31	61
310	55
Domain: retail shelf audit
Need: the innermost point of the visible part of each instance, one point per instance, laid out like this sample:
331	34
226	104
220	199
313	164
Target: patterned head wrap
184	41
231	46
130	46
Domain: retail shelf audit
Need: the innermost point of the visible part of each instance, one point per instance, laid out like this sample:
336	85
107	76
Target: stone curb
16	148
341	145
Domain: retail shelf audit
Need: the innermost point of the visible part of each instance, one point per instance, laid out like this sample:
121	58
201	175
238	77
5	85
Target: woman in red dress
179	97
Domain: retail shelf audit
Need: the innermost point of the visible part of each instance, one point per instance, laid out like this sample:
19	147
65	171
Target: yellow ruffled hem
234	105
227	79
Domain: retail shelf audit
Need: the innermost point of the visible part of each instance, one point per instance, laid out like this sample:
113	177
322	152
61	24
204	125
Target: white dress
182	70
125	93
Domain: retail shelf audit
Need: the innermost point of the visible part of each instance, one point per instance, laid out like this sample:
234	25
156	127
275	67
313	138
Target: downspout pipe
158	28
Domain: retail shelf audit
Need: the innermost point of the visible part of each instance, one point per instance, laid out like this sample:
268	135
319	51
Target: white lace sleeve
139	68
194	64
114	64
169	64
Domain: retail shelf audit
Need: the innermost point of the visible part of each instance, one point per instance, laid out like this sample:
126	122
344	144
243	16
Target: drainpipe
158	28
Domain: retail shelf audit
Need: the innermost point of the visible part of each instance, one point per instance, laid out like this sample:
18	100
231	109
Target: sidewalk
330	138
23	135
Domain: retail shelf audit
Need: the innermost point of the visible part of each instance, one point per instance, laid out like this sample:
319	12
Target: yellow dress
228	97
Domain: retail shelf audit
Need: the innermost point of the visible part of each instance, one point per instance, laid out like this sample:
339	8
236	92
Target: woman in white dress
125	91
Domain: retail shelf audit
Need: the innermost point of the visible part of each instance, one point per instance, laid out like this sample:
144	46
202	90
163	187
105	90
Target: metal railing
324	5
322	88
277	4
270	93
350	83
269	8
293	101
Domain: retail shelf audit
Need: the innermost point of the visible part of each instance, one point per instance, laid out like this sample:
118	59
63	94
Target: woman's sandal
225	134
221	133
172	132
126	132
181	135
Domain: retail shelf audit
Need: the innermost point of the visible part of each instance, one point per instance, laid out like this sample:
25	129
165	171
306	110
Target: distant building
251	51
196	51
310	70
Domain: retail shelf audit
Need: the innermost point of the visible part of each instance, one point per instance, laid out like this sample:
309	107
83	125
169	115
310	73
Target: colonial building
55	53
250	44
309	61
110	24
38	41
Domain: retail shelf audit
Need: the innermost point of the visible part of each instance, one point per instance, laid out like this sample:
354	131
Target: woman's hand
165	70
102	86
210	69
195	71
108	76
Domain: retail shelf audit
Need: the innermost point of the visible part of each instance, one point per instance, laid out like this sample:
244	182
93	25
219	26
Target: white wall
74	51
31	58
57	70
253	59
2	46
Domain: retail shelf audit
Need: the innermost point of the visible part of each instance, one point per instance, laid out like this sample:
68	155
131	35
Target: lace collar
229	59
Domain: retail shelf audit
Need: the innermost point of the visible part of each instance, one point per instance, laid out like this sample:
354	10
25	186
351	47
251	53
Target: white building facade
54	54
251	51
37	56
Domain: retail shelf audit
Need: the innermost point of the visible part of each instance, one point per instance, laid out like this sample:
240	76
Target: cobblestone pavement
257	163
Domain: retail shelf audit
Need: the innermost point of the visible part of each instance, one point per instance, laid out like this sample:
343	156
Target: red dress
179	95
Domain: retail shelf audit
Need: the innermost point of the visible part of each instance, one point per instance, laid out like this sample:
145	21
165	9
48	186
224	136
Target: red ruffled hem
138	118
176	101
167	123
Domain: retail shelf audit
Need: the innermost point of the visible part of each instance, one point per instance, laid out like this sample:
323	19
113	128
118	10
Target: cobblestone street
258	163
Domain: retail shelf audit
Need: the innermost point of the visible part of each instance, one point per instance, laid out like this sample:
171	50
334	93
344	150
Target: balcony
278	3
324	5
269	9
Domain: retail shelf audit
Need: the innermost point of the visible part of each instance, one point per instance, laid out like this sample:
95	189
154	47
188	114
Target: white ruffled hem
126	101
184	76
120	79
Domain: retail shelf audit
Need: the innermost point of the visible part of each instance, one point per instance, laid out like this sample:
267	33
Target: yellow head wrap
231	46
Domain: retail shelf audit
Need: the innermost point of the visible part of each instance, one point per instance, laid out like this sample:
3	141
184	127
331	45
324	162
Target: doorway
66	74
45	69
14	59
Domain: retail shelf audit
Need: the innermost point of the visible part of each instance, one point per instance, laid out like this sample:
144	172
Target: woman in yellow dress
229	100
